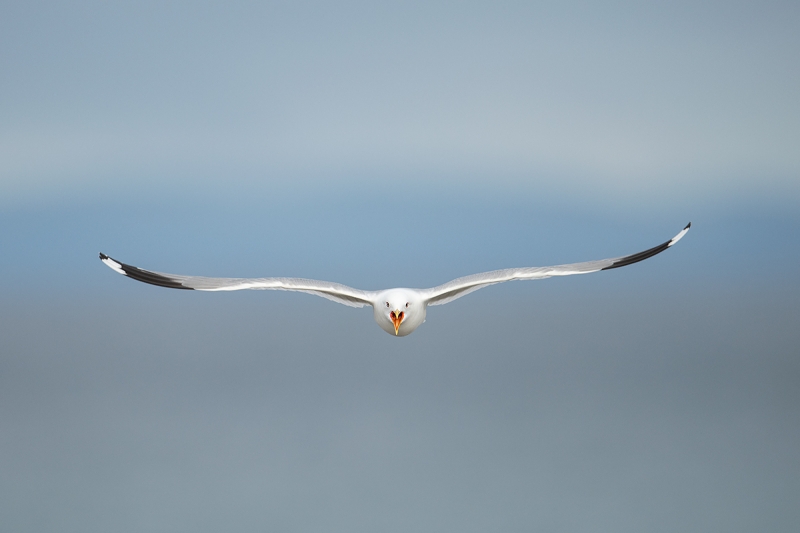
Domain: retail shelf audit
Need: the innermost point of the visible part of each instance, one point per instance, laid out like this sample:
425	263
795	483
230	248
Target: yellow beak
397	317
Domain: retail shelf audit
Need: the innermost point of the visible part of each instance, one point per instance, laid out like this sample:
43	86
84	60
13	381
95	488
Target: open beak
397	317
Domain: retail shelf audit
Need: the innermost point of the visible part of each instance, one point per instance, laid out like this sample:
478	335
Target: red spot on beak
397	318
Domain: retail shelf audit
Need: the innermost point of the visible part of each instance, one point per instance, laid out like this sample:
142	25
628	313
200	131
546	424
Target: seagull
397	311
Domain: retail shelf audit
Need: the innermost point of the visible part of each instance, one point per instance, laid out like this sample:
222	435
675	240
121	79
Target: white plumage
398	311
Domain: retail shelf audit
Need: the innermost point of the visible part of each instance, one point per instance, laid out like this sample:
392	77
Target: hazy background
400	145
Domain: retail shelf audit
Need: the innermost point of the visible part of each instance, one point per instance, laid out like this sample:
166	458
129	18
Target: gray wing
332	291
463	286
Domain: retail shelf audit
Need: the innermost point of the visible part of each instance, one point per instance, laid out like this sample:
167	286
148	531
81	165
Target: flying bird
397	311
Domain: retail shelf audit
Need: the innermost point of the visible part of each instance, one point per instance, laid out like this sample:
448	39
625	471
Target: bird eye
407	304
387	304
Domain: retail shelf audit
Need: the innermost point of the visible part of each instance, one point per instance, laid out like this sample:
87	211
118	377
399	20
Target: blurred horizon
584	100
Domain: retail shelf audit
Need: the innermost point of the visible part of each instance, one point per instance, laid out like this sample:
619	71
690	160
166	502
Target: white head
399	311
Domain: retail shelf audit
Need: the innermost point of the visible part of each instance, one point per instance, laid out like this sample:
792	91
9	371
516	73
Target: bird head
399	312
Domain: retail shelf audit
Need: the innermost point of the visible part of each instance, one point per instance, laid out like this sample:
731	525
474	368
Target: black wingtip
641	256
139	274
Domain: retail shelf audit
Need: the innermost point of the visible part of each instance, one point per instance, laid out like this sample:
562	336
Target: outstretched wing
332	291
463	286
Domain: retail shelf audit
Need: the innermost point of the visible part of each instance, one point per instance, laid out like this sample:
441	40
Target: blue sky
385	145
619	101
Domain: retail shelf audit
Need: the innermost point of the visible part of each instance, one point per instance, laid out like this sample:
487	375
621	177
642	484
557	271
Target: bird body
397	311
